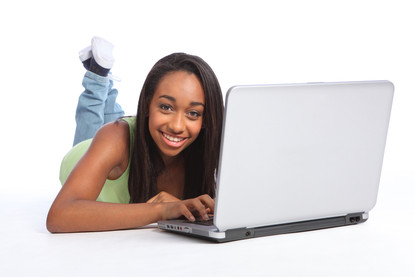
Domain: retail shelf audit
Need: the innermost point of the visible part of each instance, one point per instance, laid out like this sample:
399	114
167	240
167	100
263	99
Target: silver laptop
296	157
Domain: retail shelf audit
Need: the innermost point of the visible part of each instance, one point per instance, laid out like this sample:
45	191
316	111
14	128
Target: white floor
382	246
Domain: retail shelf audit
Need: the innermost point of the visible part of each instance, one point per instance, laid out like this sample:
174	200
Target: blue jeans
96	106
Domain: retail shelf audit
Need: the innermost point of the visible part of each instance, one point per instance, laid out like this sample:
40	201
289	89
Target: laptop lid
298	152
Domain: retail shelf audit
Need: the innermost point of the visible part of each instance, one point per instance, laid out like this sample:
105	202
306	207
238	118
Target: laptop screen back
301	152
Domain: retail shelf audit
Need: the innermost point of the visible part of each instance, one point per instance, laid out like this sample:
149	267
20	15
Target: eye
165	107
194	114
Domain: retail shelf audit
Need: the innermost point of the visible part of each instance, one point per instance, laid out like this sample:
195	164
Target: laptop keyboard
200	221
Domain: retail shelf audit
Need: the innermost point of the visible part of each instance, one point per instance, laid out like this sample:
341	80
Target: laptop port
354	219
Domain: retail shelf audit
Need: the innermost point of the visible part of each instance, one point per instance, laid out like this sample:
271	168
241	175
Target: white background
245	42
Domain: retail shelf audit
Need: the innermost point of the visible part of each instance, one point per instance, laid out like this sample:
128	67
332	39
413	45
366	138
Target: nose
177	123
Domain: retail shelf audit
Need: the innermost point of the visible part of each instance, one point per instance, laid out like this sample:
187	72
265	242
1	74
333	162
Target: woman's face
176	112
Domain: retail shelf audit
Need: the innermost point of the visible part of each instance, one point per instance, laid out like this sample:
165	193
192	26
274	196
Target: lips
173	141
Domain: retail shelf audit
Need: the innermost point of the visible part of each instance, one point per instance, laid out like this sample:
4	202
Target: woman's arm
76	209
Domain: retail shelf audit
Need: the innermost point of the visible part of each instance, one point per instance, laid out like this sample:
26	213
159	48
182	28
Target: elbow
52	227
53	222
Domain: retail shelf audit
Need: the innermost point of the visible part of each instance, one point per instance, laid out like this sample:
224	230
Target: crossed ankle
97	69
97	57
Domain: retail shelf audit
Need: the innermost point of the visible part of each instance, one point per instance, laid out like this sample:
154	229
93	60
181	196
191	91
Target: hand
163	197
199	206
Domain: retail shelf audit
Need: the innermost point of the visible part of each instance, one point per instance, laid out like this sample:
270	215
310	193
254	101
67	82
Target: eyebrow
174	100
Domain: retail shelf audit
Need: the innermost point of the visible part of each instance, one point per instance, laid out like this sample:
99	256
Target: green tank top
114	191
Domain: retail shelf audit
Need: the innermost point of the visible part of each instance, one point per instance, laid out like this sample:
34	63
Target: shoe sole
102	52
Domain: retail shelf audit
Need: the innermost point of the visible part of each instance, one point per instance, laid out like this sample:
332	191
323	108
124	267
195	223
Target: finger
187	213
200	208
208	202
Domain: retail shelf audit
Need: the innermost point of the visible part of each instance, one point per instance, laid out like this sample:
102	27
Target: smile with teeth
173	139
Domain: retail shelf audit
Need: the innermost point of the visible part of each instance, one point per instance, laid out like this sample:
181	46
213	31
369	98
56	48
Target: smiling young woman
176	113
157	165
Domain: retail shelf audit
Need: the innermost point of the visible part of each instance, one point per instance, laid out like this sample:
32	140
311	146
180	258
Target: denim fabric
96	106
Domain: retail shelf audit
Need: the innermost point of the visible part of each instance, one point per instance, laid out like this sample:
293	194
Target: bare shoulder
112	141
114	130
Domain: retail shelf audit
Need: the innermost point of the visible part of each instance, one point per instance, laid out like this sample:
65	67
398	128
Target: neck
172	161
172	178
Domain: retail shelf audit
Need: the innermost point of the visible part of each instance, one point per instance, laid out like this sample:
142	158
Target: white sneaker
102	52
85	54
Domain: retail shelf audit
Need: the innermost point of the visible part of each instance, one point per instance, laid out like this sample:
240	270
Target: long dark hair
202	156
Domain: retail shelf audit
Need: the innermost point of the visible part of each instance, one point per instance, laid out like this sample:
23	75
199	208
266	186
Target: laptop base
295	227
